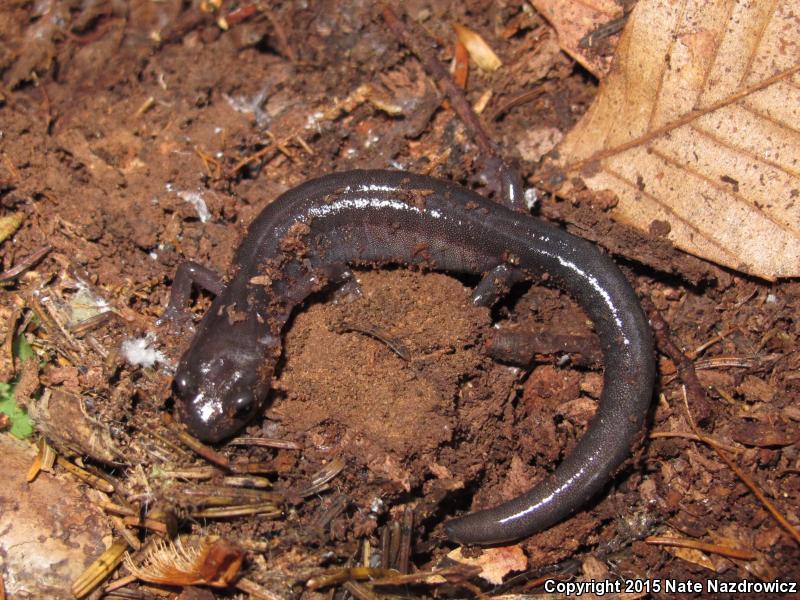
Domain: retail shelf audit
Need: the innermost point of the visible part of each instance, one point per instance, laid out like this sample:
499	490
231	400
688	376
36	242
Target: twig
261	441
502	178
693	387
393	344
420	44
684	366
729	551
193	443
518	100
691	436
251	158
256	591
25	264
280	34
773	510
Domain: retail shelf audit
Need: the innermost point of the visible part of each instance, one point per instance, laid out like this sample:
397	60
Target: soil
137	135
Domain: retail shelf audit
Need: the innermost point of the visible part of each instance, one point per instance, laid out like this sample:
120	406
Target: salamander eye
243	405
180	384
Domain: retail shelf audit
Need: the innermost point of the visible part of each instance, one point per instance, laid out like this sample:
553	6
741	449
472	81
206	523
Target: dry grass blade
340	575
267	442
25	264
84	475
196	445
321	478
100	569
265	509
453	574
729	551
697	130
202	496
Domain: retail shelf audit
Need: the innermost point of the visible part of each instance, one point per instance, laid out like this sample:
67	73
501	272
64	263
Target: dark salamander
310	236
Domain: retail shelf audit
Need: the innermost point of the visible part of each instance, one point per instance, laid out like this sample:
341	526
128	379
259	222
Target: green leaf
21	424
22	349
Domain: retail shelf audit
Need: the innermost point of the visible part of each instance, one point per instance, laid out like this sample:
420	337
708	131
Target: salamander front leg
505	181
188	273
496	283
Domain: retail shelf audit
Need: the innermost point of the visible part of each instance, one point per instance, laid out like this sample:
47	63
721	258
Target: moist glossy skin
306	239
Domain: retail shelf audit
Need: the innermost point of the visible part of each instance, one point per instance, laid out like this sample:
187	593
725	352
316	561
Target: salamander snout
219	396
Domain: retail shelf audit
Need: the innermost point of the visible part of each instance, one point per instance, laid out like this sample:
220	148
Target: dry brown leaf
691	555
478	49
495	563
573	21
696	130
764	435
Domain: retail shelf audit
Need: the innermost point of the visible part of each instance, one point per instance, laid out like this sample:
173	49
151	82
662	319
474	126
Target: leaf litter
696	127
87	156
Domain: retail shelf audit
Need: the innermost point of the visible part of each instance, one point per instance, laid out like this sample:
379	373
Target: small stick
280	34
406	532
25	264
262	441
393	344
519	99
146	523
199	447
691	436
253	157
420	44
256	591
729	551
85	476
684	366
773	510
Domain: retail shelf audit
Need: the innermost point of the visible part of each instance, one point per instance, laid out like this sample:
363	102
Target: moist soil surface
138	135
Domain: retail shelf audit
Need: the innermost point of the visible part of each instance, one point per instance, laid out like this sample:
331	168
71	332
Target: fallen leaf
696	127
9	224
536	142
575	21
594	569
692	556
478	49
755	389
495	563
765	435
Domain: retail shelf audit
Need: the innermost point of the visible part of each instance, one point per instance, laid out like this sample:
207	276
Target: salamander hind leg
496	283
346	287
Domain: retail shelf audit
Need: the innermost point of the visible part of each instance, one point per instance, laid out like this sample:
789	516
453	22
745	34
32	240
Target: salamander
312	235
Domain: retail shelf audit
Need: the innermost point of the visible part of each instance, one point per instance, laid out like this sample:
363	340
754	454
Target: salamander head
221	384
